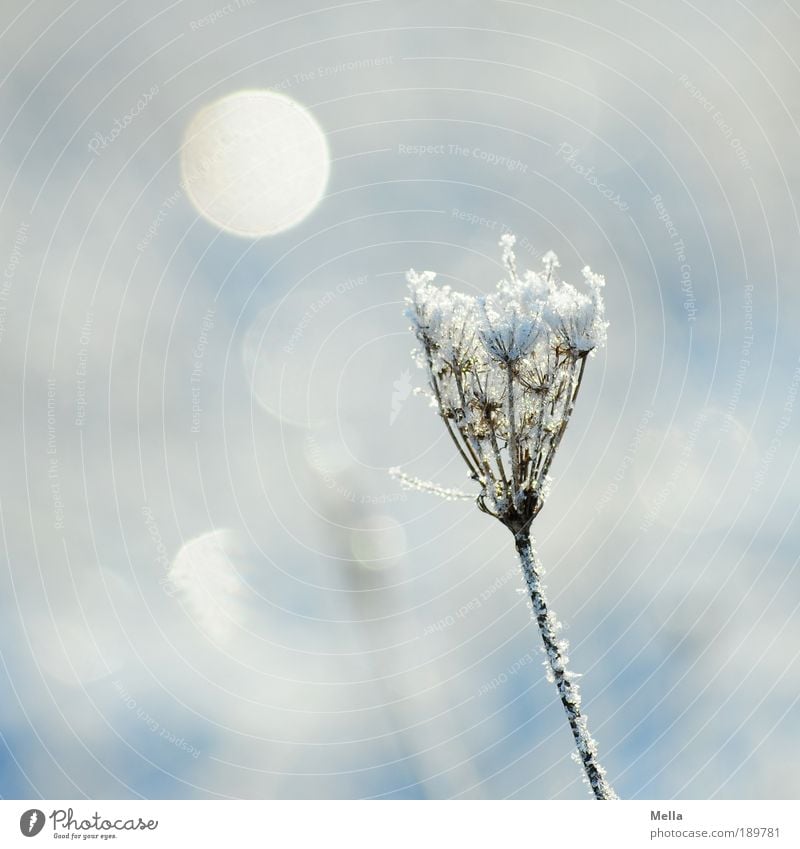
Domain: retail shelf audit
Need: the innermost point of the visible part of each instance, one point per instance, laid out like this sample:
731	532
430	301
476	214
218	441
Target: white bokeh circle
255	163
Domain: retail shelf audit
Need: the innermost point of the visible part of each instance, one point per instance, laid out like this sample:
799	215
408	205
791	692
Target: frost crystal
504	372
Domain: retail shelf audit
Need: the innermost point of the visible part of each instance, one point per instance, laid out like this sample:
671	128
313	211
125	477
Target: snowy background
211	587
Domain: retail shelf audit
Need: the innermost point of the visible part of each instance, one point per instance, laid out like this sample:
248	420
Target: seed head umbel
504	371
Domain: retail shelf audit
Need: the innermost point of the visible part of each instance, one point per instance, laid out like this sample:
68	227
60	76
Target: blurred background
210	585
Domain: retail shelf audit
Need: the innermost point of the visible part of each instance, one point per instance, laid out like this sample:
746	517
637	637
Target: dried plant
504	372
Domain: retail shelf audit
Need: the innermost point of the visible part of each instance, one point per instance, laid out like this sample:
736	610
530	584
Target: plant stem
557	659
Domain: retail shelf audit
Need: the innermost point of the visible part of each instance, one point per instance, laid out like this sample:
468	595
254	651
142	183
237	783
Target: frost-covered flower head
504	371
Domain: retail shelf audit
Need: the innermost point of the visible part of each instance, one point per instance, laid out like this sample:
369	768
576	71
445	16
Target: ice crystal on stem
504	372
411	482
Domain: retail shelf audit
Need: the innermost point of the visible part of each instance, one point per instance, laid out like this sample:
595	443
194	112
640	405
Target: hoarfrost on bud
550	261
504	371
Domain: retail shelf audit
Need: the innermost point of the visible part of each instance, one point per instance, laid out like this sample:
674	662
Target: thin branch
565	419
498	457
557	659
475	442
437	392
411	482
512	434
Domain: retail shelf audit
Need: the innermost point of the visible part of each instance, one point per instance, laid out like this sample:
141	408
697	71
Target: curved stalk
555	650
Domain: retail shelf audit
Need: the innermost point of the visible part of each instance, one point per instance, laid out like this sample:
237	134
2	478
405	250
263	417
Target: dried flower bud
504	371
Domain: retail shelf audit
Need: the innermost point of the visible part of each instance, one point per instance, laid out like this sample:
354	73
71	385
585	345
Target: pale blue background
325	678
